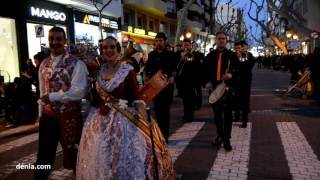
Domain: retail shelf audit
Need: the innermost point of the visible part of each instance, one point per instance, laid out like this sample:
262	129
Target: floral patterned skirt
111	147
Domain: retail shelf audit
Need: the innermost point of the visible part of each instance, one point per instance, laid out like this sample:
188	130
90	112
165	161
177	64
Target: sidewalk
30	128
33	127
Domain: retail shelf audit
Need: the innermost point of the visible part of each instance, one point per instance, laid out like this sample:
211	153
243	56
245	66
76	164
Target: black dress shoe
227	146
217	142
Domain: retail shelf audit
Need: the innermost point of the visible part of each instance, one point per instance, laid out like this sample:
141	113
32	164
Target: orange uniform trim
219	67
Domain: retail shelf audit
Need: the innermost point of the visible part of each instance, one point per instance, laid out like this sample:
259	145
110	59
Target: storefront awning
139	38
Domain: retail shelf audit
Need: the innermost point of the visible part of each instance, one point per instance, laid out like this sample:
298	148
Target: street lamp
181	38
295	37
188	35
289	35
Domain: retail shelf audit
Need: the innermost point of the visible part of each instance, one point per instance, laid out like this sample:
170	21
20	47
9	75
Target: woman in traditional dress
116	140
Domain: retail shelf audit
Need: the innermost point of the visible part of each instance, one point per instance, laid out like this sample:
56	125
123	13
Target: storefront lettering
150	33
130	29
104	22
48	14
139	31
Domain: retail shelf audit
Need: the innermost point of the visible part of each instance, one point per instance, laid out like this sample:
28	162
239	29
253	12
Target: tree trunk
278	43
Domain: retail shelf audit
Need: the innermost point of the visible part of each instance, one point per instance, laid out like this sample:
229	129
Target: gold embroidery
136	119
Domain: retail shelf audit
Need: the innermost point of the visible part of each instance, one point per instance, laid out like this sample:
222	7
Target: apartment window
140	24
126	18
171	7
172	29
305	6
151	25
298	8
162	27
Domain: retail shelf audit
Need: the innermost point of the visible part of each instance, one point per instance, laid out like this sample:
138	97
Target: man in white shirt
62	83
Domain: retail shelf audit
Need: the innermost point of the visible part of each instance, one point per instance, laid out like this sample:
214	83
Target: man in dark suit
199	58
187	79
162	59
220	65
243	82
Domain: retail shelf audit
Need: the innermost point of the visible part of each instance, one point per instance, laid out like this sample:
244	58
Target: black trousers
48	141
223	120
51	131
199	96
242	99
162	109
189	102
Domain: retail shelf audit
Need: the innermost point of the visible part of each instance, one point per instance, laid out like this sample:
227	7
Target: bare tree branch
256	18
266	27
100	14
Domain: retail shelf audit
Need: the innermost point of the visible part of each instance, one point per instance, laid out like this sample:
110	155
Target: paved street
282	141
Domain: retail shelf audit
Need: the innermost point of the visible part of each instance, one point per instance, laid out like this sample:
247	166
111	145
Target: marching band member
162	59
220	65
186	79
243	82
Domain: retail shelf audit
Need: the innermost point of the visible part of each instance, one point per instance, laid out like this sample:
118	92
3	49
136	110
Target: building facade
25	25
198	23
10	41
142	19
86	20
296	41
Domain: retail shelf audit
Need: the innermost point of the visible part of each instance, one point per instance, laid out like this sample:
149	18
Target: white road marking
302	161
233	164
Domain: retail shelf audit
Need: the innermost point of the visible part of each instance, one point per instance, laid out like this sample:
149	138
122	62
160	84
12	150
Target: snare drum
153	87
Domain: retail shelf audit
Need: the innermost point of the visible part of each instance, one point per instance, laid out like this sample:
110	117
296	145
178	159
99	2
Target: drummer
162	59
220	65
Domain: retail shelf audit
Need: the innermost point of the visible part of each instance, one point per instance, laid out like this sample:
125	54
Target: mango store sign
48	14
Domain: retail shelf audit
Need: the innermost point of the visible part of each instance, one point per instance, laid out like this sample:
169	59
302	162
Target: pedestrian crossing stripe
182	137
233	164
302	161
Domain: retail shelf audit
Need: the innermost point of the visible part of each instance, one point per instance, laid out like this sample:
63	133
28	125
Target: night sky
245	4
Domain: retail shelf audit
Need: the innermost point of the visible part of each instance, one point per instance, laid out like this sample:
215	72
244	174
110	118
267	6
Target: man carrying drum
164	60
220	66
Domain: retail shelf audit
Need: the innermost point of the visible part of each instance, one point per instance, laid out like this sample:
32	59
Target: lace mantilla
118	78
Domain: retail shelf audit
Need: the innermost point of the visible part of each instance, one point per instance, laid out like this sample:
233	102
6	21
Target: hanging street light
289	35
188	35
181	38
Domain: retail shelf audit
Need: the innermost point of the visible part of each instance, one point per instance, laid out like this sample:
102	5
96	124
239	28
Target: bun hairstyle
118	46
